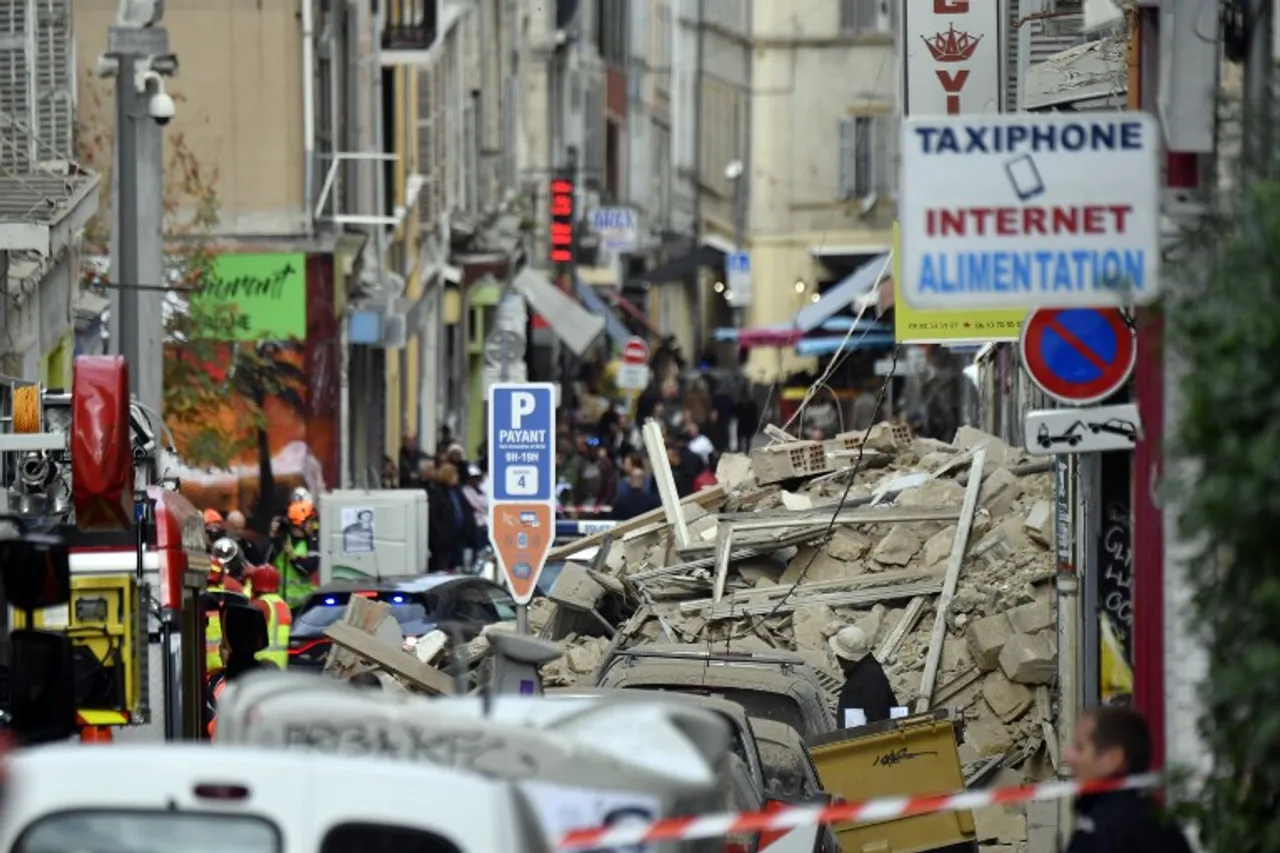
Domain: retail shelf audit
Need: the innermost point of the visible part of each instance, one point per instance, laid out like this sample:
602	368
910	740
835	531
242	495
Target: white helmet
302	493
225	550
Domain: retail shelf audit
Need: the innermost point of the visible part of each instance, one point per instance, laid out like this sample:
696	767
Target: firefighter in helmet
265	581
296	546
220	589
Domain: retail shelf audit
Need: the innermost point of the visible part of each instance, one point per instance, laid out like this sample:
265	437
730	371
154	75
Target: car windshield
784	769
148	832
759	704
323	610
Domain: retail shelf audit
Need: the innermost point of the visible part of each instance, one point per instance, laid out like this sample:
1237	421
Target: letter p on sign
522	405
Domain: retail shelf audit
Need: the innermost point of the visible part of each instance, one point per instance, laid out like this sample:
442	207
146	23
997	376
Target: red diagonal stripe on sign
1078	345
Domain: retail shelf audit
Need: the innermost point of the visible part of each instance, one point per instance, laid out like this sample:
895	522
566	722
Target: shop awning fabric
847	292
574	325
684	266
613	327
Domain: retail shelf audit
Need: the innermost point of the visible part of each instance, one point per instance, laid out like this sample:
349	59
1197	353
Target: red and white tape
791	817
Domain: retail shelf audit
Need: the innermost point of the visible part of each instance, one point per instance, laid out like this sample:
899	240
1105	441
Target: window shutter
884	168
848	157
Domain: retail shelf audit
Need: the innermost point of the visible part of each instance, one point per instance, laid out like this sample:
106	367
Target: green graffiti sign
270	291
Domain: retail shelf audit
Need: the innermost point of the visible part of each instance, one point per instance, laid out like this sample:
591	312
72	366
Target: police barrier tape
791	817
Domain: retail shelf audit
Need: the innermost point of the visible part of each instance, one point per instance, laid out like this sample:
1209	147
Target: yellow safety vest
213	636
279	624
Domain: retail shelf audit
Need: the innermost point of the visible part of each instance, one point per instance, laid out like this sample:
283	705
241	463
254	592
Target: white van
582	763
199	799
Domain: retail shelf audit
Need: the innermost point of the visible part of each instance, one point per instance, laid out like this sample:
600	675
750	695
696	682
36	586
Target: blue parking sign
522	442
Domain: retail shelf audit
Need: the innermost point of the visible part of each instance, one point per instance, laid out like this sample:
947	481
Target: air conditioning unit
394	331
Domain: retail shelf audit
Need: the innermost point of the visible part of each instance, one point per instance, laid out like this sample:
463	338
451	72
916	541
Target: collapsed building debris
949	573
939	552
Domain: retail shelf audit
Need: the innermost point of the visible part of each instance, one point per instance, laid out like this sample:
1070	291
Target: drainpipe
308	110
699	59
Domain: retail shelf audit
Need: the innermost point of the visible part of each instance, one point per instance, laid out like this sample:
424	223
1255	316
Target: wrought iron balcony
410	24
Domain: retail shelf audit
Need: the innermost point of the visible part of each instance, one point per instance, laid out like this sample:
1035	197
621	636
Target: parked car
770	686
789	774
420	604
741	775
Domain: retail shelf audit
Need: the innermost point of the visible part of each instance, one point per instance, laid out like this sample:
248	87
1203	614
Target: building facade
47	196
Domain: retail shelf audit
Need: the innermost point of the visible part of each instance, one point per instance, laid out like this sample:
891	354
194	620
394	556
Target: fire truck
85	466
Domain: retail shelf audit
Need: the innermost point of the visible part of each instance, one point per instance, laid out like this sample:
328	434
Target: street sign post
738	269
1078	356
1053	431
1029	210
522	483
633	371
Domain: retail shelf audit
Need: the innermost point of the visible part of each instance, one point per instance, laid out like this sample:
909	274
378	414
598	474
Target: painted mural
253	378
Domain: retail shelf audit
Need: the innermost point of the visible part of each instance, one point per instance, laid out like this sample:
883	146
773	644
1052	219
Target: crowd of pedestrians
457	502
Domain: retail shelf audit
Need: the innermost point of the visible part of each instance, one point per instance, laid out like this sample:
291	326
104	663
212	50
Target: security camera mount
151	70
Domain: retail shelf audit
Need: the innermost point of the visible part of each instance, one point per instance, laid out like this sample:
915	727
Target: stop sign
635	351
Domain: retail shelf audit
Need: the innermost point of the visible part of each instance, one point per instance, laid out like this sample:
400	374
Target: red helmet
265	580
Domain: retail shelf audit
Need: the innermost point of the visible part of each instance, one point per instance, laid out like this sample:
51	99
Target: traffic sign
635	351
522	480
738	270
1054	431
1078	355
1030	210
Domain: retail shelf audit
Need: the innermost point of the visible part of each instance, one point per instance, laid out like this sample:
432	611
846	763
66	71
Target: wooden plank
732	609
651	432
958	546
889	647
780	519
704	498
366	616
394	660
874	579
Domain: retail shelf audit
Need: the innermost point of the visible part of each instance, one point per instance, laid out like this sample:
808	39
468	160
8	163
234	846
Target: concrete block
1039	523
986	638
1005	541
999	490
987	736
809	625
1028	659
1000	824
1042	826
823	567
1031	618
734	471
997	450
848	544
938	549
1009	700
897	547
933	493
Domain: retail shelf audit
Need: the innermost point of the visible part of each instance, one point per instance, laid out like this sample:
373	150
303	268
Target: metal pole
126	337
522	618
1258	66
698	63
172	703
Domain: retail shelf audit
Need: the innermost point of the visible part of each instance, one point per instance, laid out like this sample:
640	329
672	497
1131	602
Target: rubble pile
763	568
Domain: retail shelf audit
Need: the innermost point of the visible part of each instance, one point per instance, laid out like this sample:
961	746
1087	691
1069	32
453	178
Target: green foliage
1226	321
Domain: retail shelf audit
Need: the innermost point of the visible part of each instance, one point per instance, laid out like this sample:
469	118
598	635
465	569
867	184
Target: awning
613	327
846	292
684	266
577	327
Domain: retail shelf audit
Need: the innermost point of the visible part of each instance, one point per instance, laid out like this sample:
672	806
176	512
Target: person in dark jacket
1111	743
636	500
866	692
244	634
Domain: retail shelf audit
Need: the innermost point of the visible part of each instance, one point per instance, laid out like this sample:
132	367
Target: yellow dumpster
904	757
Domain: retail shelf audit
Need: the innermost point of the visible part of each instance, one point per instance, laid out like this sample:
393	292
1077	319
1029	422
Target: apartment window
857	157
860	16
662	172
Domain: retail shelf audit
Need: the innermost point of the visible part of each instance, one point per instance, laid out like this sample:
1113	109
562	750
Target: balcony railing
410	24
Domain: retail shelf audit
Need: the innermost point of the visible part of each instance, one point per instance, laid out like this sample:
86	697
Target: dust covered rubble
792	589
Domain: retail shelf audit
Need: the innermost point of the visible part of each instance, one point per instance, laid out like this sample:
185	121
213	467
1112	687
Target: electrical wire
835	515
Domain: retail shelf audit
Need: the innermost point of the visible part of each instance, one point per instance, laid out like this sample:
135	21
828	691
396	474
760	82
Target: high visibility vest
218	690
213	636
279	623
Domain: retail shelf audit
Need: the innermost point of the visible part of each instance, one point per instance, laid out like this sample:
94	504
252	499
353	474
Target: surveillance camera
160	107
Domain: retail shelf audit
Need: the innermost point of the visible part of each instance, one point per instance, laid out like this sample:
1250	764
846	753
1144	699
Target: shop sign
561	221
952	57
268	290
